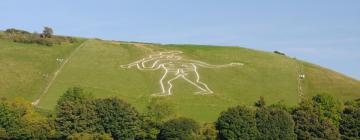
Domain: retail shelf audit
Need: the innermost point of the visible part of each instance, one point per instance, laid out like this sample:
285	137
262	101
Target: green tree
118	118
3	133
274	123
149	129
160	109
310	125
208	132
89	136
330	108
33	125
8	120
237	123
47	32
22	122
76	113
179	129
157	111
261	102
350	122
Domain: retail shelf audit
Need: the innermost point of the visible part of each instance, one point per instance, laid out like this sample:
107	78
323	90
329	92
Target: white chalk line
176	67
300	79
37	101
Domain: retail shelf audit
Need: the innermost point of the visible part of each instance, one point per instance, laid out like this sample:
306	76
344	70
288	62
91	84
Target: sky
324	32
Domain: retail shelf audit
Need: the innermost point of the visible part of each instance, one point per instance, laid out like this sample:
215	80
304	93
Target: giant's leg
194	78
165	82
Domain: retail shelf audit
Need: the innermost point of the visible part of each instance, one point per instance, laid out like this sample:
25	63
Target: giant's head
172	55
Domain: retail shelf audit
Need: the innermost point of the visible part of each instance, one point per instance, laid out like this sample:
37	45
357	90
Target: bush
330	108
118	118
18	120
8	120
45	39
47	32
89	136
310	125
179	129
160	109
274	123
350	121
208	132
237	123
149	129
16	31
280	53
75	113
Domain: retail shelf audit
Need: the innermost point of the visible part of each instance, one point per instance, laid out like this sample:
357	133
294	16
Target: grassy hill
26	71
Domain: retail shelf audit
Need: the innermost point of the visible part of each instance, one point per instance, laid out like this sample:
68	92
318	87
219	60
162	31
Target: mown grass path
36	102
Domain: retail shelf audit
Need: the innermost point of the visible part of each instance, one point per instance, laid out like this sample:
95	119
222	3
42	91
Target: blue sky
325	32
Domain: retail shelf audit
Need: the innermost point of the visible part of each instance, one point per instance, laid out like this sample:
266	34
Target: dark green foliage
281	105
19	121
46	38
310	125
237	123
149	129
118	118
208	132
274	123
79	117
76	113
8	120
277	52
160	109
89	136
261	103
47	32
179	129
350	121
330	108
16	31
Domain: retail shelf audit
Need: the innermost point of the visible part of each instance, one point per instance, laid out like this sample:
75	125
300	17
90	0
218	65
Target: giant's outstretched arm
206	65
133	63
143	64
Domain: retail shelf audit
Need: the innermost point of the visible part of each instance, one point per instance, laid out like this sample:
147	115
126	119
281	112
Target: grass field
96	68
26	68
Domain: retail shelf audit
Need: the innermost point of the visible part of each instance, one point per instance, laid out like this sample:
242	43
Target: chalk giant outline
176	67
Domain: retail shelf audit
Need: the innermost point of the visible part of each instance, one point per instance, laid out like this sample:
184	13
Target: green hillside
27	70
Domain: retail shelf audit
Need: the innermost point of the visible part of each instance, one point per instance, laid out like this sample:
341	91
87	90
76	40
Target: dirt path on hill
37	101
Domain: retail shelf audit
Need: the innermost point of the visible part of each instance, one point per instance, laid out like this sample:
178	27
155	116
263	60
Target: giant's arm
206	65
151	63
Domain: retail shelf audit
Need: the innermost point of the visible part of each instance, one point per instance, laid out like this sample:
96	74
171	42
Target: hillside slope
26	68
96	67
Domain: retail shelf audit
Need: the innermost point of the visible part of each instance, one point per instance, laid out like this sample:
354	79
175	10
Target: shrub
75	113
160	109
18	120
237	123
179	129
16	31
280	53
89	136
330	108
118	118
47	32
274	123
46	38
350	121
208	132
310	125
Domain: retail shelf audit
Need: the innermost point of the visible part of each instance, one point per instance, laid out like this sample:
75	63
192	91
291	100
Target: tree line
46	38
78	115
